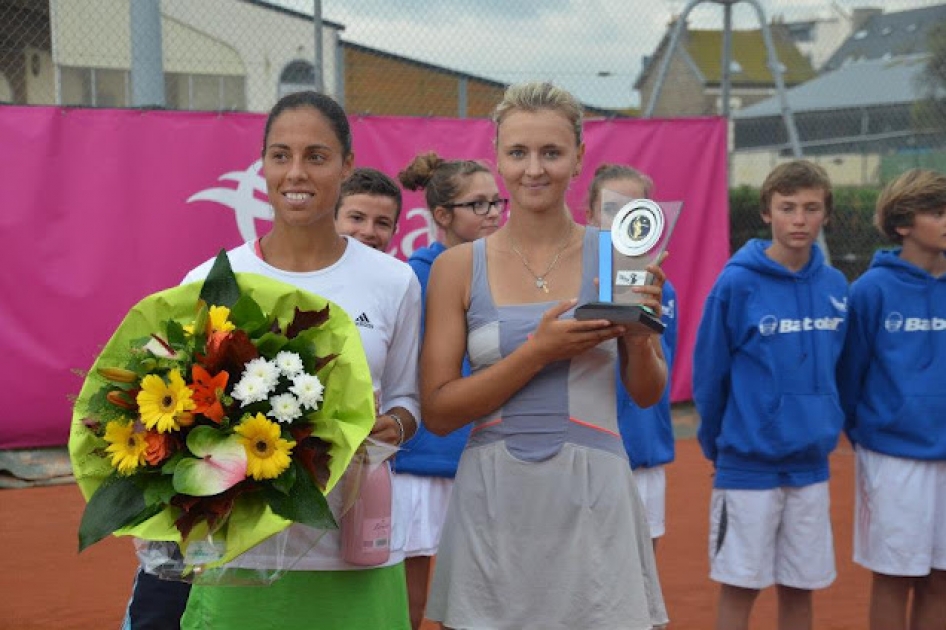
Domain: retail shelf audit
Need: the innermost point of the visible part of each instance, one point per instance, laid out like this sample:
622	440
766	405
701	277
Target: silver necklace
541	280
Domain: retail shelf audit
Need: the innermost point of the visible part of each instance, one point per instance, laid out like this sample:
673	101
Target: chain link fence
862	78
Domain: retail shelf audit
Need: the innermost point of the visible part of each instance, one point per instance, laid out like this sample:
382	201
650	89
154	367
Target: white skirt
422	507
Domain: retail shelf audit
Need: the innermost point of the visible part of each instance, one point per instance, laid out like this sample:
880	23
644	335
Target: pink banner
102	207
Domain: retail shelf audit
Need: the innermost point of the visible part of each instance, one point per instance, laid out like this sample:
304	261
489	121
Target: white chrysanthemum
251	389
262	369
308	388
289	363
285	408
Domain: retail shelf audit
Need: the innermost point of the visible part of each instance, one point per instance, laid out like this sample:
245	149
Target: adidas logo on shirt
363	321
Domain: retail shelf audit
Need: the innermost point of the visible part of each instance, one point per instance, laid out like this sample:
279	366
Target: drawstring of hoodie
930	346
804	297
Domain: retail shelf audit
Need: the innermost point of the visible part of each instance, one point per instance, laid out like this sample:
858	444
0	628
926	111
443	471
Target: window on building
205	92
94	87
296	77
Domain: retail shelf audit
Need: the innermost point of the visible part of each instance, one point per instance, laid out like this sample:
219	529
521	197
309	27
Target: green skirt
373	599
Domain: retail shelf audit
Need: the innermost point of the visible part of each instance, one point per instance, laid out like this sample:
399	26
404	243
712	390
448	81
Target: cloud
591	47
588	47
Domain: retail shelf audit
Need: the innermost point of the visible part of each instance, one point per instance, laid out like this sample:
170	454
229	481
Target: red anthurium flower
207	392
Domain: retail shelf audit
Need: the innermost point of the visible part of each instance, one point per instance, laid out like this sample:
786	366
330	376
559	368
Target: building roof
749	63
874	83
749	52
889	35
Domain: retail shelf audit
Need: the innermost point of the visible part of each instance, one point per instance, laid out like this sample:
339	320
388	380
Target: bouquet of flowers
214	420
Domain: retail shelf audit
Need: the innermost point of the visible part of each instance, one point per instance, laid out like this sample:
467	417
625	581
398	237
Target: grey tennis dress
545	528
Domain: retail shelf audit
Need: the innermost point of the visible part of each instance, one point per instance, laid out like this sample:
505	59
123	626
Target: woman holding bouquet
306	156
545	528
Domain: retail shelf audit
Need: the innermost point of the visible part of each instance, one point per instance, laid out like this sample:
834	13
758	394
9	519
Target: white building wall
266	41
220	37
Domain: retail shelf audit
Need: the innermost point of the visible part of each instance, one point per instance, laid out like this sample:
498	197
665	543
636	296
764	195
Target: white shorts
422	506
652	486
779	536
900	514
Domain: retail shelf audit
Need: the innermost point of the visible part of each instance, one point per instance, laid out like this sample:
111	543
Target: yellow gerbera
218	320
267	454
163	404
127	447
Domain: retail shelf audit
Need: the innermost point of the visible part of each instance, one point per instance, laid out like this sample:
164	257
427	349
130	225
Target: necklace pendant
540	283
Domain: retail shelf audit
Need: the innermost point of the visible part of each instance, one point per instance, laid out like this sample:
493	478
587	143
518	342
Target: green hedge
851	235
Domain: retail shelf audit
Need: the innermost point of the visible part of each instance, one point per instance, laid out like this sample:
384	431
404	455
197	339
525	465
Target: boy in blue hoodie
894	398
764	383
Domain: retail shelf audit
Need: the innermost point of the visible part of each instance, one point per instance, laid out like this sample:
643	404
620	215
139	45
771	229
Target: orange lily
208	391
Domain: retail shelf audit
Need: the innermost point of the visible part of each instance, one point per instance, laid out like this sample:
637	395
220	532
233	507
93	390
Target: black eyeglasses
481	207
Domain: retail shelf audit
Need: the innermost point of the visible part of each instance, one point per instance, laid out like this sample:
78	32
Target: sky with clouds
592	47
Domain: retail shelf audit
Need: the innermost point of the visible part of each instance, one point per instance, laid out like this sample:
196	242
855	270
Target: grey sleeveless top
568	401
545	529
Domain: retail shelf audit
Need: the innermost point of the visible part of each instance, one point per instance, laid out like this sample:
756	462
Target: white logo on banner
242	199
248	208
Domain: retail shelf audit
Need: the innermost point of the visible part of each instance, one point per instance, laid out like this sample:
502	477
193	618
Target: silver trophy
634	233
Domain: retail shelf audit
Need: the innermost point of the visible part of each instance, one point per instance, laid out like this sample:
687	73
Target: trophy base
629	315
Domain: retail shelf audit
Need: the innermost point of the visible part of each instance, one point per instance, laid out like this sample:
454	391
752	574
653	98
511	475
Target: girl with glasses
464	201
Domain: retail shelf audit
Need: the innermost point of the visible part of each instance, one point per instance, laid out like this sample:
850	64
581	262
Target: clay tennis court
45	584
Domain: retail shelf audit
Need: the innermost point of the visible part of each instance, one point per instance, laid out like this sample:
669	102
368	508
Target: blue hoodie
648	433
427	454
764	370
891	374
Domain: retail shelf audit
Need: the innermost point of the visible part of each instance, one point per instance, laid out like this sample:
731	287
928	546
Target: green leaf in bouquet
159	490
220	287
219	463
304	503
175	332
248	315
270	344
286	480
168	467
145	365
201	319
149	512
115	504
99	409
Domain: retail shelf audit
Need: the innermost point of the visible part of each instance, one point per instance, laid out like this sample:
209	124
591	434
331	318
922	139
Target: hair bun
417	174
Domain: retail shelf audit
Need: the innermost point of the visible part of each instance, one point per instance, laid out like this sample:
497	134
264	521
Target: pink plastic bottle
366	526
